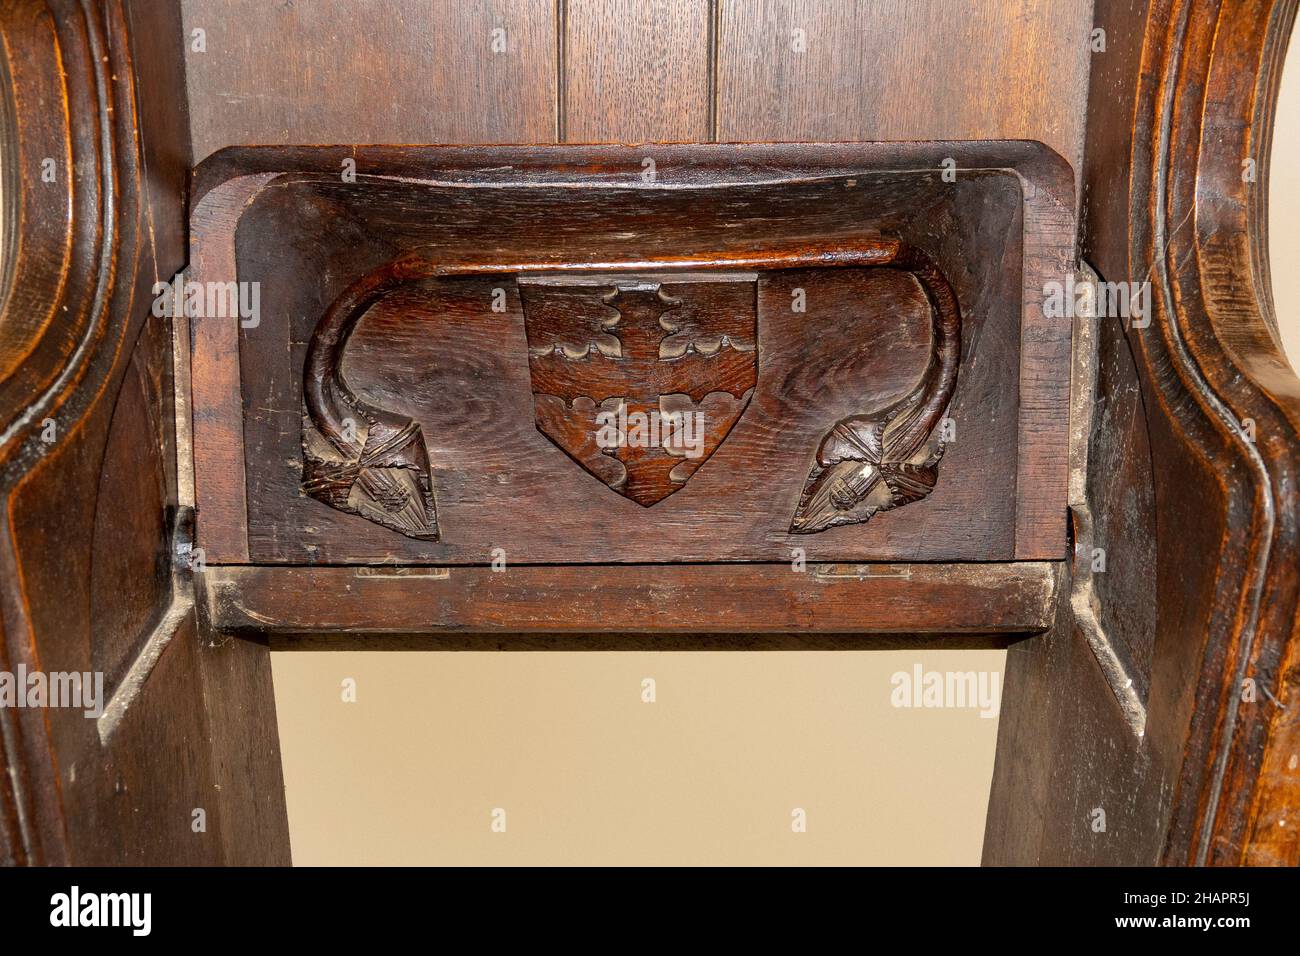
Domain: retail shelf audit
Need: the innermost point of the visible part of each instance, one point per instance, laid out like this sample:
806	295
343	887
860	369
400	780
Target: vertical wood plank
637	71
904	69
370	71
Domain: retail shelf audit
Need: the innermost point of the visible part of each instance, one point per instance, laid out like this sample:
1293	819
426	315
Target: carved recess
619	346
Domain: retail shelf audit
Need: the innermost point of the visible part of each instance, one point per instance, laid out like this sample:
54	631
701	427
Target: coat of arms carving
640	379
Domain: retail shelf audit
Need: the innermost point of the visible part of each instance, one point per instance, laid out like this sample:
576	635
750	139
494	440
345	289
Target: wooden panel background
635	71
904	69
370	71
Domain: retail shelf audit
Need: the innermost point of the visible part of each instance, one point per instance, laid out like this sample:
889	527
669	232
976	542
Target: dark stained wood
904	70
418	71
637	71
1211	777
672	70
65	367
1191	447
216	410
640	379
878	460
601	641
435	349
49	159
1121	500
1111	503
200	735
1013	598
139	811
92	513
131	560
630	337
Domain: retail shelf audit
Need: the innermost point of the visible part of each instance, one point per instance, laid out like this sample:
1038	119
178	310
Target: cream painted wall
710	773
587	773
1284	207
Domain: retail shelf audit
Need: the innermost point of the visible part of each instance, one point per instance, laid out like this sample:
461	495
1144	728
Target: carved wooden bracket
374	463
405	368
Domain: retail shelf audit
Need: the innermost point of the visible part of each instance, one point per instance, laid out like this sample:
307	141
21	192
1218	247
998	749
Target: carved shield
640	379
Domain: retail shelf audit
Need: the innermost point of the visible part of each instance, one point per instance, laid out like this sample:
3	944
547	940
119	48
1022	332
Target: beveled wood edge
229	181
1085	604
216	396
1043	447
1017	598
677	164
659	641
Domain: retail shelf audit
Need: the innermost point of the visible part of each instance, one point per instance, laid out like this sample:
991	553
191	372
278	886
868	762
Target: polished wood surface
904	70
1013	598
632	71
1178	196
431	352
636	71
88	472
419	71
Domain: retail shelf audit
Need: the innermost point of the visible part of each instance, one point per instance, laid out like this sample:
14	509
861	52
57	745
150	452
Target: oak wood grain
904	69
1210	777
87	475
414	359
418	71
636	71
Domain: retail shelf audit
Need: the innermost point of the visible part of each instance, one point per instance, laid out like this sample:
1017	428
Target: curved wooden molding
374	463
1178	197
1213	105
63	209
74	241
1226	394
73	290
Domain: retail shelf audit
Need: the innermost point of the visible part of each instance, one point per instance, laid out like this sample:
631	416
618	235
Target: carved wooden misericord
432	362
1199	515
638	375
